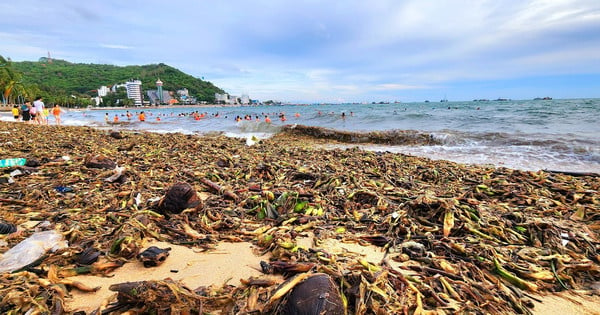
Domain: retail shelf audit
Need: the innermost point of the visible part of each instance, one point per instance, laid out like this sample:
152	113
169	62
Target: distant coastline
154	107
8	107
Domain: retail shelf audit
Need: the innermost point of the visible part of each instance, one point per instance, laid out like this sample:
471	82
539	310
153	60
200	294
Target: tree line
74	84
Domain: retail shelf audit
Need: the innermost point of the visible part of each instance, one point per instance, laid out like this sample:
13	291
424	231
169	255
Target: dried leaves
457	239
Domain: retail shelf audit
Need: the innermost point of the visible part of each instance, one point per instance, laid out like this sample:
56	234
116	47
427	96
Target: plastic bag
12	162
31	249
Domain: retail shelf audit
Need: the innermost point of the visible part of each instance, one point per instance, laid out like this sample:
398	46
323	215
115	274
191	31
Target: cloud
396	86
114	46
311	50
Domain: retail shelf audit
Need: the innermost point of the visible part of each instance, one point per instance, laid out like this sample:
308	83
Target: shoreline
423	219
7	108
411	142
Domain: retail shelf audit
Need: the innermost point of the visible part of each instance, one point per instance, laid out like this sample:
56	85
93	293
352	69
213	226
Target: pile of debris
457	238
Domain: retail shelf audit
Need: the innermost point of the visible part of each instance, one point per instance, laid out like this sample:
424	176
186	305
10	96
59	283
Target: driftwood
226	192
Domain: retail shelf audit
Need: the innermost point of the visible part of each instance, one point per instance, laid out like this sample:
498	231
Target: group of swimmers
281	117
36	113
196	115
141	116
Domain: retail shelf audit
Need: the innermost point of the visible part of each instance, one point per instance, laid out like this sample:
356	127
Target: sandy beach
394	233
193	272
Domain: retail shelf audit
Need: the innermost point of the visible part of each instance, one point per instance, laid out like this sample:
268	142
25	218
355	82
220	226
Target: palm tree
9	79
11	87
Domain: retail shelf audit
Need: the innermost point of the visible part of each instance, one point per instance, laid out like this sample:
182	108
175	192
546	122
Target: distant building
184	96
183	93
221	98
233	100
114	88
245	99
103	91
134	91
227	99
97	100
155	98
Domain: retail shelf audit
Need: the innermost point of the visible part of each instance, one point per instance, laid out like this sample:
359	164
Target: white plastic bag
31	249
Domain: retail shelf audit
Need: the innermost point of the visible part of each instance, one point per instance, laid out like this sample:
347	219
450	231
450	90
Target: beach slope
232	222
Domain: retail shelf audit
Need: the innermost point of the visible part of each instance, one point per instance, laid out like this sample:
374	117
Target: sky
333	51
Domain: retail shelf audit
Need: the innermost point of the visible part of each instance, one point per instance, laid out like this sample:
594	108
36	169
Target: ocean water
560	135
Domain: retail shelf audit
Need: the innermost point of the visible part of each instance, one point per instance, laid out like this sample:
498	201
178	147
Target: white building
134	91
184	93
97	100
221	97
116	86
245	99
103	91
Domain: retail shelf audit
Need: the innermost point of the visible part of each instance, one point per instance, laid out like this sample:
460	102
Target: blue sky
329	51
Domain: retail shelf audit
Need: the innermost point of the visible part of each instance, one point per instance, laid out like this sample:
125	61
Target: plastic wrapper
31	249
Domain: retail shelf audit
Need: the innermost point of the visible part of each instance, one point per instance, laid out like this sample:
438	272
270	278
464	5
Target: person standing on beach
56	111
25	111
33	114
15	112
46	114
39	110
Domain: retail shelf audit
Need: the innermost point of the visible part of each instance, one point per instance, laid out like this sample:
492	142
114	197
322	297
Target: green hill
60	77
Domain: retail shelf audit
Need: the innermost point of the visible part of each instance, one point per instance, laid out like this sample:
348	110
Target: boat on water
542	98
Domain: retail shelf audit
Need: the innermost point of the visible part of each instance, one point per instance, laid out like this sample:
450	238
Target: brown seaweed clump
456	239
155	297
99	161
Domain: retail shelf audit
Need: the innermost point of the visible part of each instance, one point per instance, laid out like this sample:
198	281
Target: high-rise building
134	91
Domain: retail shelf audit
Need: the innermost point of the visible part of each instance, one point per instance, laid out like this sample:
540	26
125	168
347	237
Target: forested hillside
59	77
